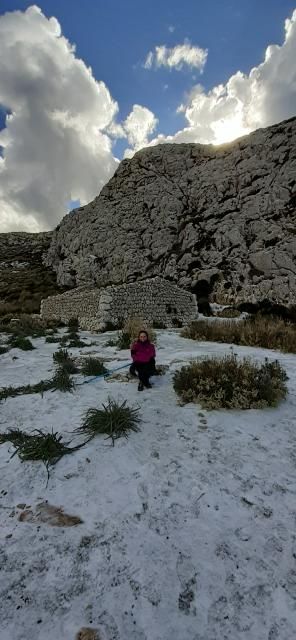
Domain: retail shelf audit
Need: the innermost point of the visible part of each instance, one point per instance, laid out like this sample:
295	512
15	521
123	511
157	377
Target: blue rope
104	375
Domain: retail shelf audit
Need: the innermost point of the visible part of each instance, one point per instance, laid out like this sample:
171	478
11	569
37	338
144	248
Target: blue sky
69	126
114	37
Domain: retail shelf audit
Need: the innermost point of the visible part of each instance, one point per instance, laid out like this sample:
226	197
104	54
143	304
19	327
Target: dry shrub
131	330
268	333
228	312
229	383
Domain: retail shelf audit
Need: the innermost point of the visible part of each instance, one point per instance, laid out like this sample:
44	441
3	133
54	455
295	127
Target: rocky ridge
218	219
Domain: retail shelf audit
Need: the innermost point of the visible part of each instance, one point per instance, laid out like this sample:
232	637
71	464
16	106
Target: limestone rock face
194	214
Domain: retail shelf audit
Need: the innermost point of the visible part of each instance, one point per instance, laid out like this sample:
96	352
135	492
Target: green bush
18	342
93	367
229	383
114	419
268	333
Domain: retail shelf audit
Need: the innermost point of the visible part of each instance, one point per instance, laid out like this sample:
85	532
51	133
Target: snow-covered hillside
189	527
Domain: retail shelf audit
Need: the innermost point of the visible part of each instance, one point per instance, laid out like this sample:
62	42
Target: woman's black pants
144	370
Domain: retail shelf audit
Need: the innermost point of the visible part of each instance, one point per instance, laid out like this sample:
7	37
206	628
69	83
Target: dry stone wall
79	303
155	301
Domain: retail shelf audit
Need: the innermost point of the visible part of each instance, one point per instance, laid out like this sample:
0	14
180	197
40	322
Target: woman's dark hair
146	334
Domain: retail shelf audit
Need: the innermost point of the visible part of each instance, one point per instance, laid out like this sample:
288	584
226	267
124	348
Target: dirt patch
48	514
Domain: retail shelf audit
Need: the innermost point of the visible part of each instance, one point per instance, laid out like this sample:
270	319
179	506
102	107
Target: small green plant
62	381
229	383
60	356
93	367
39	446
73	325
63	358
114	419
18	342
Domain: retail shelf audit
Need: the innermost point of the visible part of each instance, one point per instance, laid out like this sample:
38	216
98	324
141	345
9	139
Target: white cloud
177	57
138	126
246	102
57	140
171	28
55	145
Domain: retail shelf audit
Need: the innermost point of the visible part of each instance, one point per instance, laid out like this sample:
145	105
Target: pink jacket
142	351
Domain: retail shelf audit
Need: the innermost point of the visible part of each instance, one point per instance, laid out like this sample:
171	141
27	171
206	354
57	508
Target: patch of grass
229	383
62	381
39	446
114	419
18	342
53	340
93	367
260	331
39	387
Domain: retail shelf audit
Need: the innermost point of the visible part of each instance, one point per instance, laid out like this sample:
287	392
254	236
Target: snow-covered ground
189	527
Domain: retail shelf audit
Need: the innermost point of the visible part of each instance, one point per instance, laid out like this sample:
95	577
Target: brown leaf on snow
49	514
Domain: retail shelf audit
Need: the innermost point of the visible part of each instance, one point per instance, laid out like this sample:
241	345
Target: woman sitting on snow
143	355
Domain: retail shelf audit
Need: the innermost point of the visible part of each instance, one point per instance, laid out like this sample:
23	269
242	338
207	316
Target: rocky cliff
208	218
